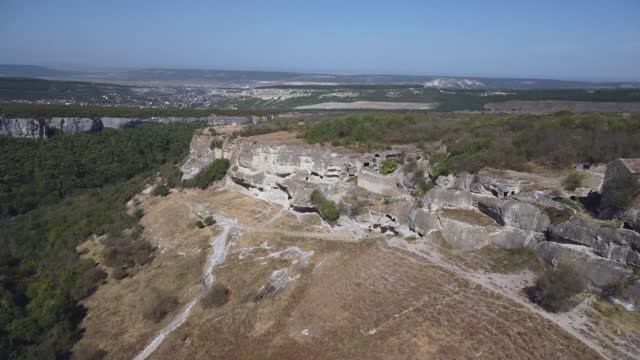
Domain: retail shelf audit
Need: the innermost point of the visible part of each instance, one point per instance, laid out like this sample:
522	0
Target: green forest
477	140
53	195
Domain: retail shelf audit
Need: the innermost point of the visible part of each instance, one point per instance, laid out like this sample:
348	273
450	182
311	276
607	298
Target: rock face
439	198
599	272
620	245
120	123
463	235
514	213
380	184
41	128
422	221
471	230
631	216
617	169
630	297
26	128
75	125
202	152
287	174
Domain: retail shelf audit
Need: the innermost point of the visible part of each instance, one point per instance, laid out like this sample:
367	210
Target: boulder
599	272
513	238
438	198
422	221
380	184
631	216
620	245
629	295
513	213
463	235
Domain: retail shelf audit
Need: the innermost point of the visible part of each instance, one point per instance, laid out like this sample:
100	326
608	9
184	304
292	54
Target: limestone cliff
42	128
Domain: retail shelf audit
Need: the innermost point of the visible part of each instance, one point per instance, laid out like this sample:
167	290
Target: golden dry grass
359	300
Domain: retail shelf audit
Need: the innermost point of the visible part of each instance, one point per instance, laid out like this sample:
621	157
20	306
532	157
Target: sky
561	39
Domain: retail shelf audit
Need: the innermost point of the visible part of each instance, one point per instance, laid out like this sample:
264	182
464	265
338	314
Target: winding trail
219	250
566	321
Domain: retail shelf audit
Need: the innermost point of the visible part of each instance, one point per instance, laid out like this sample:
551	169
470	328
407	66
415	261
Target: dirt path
574	321
219	249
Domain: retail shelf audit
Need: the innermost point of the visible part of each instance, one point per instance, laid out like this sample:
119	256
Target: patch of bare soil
468	216
279	137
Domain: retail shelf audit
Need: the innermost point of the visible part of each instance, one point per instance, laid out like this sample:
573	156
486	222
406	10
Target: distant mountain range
269	78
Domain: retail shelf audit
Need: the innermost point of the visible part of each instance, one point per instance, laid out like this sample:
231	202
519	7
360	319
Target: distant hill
233	78
33	71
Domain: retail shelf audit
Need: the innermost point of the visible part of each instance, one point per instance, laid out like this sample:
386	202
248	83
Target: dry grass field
297	297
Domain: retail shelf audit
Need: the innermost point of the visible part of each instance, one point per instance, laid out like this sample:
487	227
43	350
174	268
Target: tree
214	172
327	208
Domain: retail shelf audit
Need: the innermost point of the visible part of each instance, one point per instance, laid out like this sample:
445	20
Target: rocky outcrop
287	174
599	272
439	198
620	245
463	235
41	128
26	128
74	125
422	221
629	295
205	147
471	230
120	123
513	213
381	184
631	216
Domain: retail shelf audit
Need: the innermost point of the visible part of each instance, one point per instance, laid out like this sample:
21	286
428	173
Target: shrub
139	213
216	143
556	290
136	231
161	190
328	209
126	252
199	224
209	220
158	304
573	181
216	296
317	197
214	172
388	166
119	273
171	174
88	280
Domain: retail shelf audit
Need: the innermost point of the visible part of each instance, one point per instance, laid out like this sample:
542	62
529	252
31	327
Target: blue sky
566	39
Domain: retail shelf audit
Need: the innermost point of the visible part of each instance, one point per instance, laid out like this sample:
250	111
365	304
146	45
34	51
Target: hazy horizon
571	40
